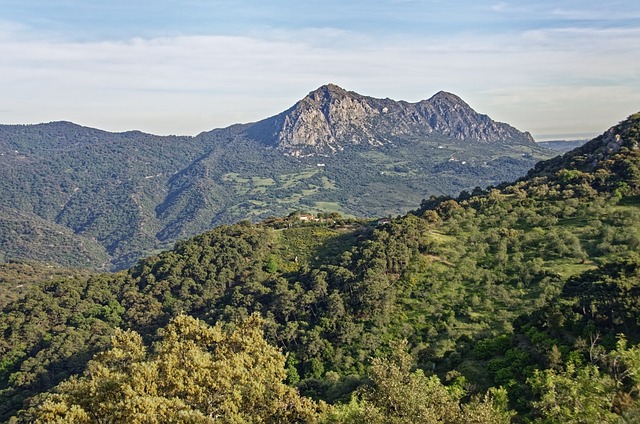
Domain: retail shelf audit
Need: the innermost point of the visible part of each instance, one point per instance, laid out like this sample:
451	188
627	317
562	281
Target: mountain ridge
330	117
600	149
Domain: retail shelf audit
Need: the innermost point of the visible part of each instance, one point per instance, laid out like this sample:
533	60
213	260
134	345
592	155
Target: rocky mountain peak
445	102
327	92
331	118
444	97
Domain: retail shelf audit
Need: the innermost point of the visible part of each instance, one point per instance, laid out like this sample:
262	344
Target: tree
399	395
194	374
575	394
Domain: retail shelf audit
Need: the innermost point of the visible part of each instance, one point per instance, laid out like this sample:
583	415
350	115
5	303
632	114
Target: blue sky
559	69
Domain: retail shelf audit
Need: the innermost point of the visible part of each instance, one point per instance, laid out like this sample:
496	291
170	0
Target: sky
560	69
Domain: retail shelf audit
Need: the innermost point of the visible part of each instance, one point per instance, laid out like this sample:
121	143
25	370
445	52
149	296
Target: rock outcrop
330	118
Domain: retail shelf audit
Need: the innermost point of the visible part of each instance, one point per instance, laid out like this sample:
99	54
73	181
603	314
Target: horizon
551	137
561	68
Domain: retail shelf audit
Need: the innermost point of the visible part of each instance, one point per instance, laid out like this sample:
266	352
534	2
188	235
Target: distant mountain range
562	145
84	197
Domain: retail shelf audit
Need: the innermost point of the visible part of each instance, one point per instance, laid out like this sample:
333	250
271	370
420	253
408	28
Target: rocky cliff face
331	118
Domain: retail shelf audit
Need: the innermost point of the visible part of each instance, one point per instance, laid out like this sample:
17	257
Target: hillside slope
524	286
135	194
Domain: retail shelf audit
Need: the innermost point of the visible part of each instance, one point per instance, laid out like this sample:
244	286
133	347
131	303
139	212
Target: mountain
330	118
129	195
524	296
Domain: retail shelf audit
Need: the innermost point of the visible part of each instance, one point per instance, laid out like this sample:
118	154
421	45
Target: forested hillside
514	303
78	196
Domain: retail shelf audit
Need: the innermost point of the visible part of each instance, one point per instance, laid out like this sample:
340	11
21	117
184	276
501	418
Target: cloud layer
550	80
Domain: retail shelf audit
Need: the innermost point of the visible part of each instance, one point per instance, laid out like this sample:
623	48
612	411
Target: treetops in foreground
516	303
201	374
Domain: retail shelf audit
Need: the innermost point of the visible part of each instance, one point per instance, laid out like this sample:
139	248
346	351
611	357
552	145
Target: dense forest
515	303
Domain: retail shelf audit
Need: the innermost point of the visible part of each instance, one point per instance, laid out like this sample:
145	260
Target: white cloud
542	81
603	12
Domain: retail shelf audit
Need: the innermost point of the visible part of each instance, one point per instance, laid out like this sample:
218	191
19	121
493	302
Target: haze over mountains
562	145
85	197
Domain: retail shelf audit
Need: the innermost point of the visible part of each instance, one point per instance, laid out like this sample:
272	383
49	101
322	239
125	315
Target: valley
119	197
